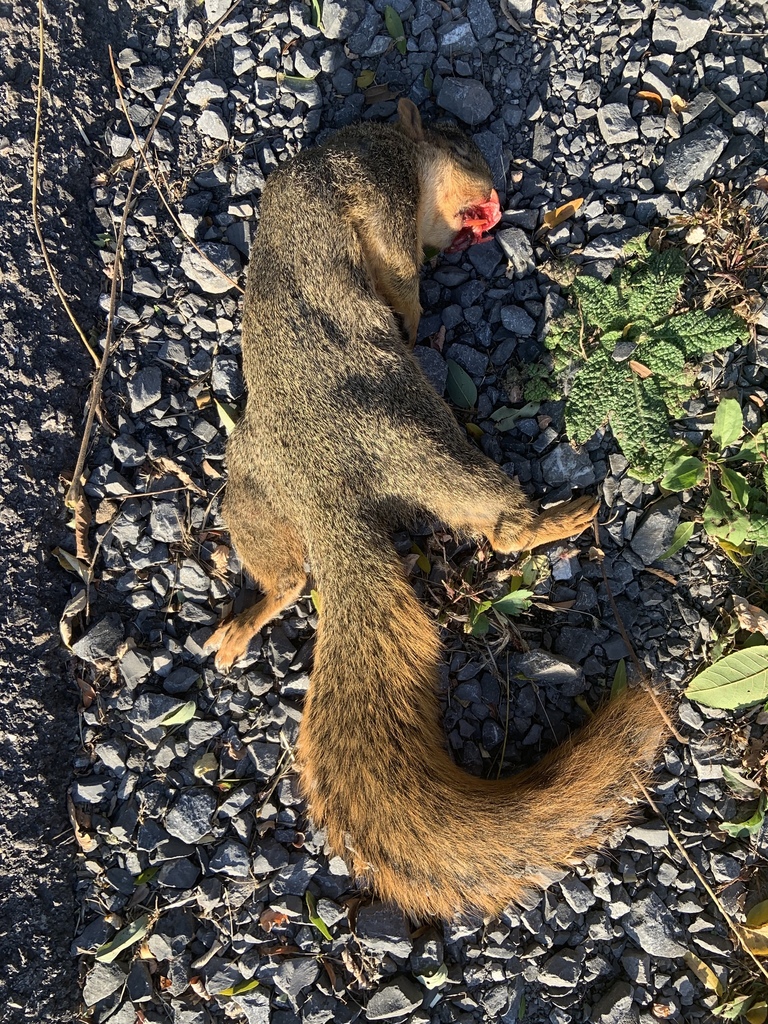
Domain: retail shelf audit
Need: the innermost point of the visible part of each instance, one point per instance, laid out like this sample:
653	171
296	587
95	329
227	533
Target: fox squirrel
342	439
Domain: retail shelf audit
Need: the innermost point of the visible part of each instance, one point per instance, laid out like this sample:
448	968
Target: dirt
45	372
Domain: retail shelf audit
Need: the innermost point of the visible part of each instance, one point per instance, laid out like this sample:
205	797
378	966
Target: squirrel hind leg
272	552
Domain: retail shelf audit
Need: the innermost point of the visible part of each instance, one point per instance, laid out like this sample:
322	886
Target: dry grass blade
83	520
36	182
76	488
156	181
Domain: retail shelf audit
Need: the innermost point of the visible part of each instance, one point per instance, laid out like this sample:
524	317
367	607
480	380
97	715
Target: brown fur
341	439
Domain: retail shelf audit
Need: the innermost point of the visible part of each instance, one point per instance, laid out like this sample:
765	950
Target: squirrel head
458	203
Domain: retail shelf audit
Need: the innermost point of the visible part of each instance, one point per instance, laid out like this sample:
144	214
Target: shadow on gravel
45	374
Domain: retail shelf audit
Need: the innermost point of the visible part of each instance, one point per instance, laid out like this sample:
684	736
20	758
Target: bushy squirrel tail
377	775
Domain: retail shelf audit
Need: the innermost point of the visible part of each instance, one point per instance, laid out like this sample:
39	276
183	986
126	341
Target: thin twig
75	491
35	186
708	888
641	671
156	181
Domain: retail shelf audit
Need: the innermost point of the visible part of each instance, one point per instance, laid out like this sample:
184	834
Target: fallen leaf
749	616
83	520
240	988
741	787
762	183
272	919
754	939
757	1013
73	609
506	10
474	430
68	561
182	715
80	821
228	415
87	692
169	466
110	951
365	79
220	557
314	917
678	104
666	576
641	370
556	217
652	97
704	973
206	765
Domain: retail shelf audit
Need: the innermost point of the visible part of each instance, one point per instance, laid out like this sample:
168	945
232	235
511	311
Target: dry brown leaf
762	183
750	617
83	520
272	919
662	1011
666	576
204	399
87	692
81	821
73	609
210	470
169	466
640	369
197	984
329	971
556	217
652	97
677	103
220	557
755	940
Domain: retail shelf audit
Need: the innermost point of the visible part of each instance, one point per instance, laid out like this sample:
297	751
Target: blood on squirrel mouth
476	221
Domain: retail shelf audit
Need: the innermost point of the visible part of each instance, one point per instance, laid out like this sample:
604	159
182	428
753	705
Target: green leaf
183	714
480	624
734	1008
126	937
737	485
422	561
683	474
736	681
700	333
739	785
240	988
729	423
147	874
428	79
395	28
228	415
460	386
681	536
619	684
366	78
599	303
295	81
755	448
515	602
750	827
505	418
314	917
316	600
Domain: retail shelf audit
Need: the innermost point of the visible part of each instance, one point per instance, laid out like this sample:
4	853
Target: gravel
196	818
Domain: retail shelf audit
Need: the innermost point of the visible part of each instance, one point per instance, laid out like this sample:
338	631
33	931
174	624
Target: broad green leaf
734	1008
460	386
758	916
683	474
704	973
228	415
737	485
435	978
126	937
240	988
736	681
422	561
750	827
599	303
183	714
314	917
755	448
395	28
480	625
619	684
700	332
515	602
681	536
366	78
757	1013
741	787
729	423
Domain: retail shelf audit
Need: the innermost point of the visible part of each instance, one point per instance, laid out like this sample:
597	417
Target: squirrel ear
410	120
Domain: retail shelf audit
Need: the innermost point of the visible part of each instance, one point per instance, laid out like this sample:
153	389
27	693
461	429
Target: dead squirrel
343	438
